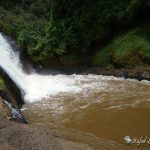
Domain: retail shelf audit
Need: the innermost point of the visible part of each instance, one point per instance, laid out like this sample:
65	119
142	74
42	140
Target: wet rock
145	75
14	136
13	91
121	74
139	73
8	110
4	111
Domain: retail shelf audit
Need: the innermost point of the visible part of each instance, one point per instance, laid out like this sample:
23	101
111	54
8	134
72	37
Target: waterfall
37	86
10	63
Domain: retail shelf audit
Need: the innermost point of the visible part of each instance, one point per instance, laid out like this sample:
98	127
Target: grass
102	58
127	50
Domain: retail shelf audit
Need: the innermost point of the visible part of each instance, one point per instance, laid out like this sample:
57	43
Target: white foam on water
37	86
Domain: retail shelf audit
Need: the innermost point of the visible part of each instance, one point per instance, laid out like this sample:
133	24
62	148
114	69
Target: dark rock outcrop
139	73
8	110
12	89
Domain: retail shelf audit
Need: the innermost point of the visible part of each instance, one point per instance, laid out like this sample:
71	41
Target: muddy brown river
108	110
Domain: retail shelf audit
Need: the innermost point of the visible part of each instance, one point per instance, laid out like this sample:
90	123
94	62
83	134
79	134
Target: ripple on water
108	109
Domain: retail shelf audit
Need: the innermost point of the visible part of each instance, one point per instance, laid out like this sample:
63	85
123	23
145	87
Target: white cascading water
36	86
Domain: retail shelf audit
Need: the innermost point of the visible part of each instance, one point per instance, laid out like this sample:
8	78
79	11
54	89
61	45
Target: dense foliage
129	49
72	32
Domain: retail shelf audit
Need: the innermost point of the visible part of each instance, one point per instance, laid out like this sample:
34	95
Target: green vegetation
129	49
2	85
73	33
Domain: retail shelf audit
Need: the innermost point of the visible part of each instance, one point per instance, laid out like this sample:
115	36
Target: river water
109	109
92	109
